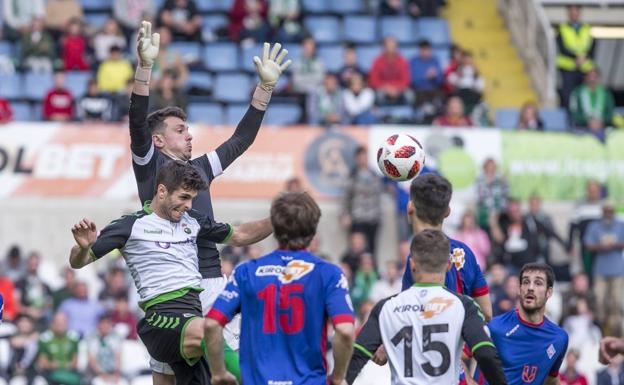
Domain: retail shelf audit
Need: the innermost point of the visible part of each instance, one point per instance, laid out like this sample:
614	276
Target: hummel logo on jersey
148	231
458	258
551	351
512	331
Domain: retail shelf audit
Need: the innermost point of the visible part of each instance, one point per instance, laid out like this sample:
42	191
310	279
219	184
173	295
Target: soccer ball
401	157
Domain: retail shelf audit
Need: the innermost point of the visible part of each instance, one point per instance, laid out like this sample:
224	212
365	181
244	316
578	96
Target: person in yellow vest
576	52
114	72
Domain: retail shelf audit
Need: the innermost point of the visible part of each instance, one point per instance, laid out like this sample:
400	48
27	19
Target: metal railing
535	40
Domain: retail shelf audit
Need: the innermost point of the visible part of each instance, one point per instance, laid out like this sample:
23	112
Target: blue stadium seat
403	112
246	56
366	55
96	20
210	24
6	48
11	86
214	5
409	51
210	113
360	29
324	29
507	118
22	111
201	80
345	6
401	27
36	85
232	88
283	114
315	6
77	82
96	5
434	29
221	57
554	119
190	51
332	56
443	55
234	113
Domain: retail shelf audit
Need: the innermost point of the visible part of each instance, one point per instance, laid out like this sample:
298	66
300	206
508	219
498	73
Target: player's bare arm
85	235
485	303
552	381
343	349
250	232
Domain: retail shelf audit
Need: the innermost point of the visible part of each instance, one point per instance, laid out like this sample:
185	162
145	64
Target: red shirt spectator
240	10
390	70
11	306
74	47
6	113
121	314
454	115
59	103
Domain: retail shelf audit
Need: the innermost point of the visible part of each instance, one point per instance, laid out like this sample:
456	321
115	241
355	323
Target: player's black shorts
163	333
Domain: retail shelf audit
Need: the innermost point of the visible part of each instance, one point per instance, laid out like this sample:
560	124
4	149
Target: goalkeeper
164	135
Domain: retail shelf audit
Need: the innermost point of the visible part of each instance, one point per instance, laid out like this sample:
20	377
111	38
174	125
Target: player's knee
162	379
193	336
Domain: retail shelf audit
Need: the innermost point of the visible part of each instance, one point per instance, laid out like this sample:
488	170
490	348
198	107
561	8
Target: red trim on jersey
554	374
460	287
480	292
343	318
216	315
467	351
527	323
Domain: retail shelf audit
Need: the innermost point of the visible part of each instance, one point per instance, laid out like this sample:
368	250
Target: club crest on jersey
528	373
551	351
295	270
436	306
458	258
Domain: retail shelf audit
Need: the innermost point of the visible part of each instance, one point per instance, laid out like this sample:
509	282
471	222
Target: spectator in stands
58	353
7	291
59	13
541	233
123	318
613	374
169	60
74	46
24	348
110	36
325	105
285	18
104	354
591	104
182	18
423	8
58	104
94	106
19	15
121	103
471	234
167	94
576	52
350	66
580	326
529	118
605	238
35	295
571	376
130	13
358	101
6	112
361	210
579	290
389	75
115	286
454	115
512	232
585	212
496	281
388	285
456	57
492	193
364	279
391	7
509	299
114	72
308	71
81	312
38	49
247	16
427	81
357	246
467	81
13	266
65	292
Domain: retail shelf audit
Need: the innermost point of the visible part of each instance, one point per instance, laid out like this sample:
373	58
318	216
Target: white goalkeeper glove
270	67
148	44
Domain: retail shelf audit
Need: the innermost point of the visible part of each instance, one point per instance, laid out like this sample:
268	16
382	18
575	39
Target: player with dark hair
164	135
424	328
531	346
159	244
285	299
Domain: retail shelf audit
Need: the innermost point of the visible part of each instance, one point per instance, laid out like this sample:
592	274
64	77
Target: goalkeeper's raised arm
148	44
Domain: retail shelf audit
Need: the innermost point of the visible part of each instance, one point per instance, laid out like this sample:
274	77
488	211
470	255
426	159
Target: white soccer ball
401	157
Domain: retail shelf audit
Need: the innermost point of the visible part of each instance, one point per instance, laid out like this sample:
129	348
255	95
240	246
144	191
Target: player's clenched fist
226	378
270	67
85	233
147	45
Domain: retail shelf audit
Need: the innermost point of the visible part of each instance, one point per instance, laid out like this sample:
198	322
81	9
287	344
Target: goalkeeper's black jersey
147	160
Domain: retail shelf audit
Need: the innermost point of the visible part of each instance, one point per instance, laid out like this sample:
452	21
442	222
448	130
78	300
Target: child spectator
74	47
